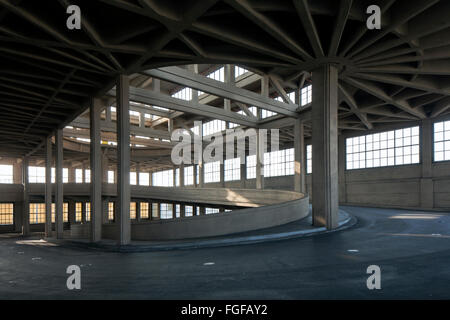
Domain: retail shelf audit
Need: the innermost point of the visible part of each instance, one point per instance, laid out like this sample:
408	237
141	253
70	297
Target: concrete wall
209	225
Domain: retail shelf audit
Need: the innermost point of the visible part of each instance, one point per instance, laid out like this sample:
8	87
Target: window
87	176
309	158
183	94
78	212
397	147
218	75
442	141
213	126
65	212
6	174
6	214
163	178
111	211
36	175
177	210
189	176
88	211
144	213
155	210
232	169
65	175
211	210
251	167
133	178
78	175
37	213
188	211
111	178
144	178
279	163
132	210
238	71
306	95
212	172
166	211
266	113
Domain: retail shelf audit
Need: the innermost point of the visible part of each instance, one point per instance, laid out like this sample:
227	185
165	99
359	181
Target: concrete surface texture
412	248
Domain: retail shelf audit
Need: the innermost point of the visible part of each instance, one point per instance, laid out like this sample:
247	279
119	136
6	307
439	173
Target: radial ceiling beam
220	89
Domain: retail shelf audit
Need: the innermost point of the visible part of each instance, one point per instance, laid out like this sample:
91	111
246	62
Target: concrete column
48	187
325	146
17	173
195	169
182	210
259	162
138	210
182	175
83	173
97	174
72	208
243	171
150	178
341	168
59	205
194	68
71	172
105	167
26	199
299	157
123	157
138	169
174	176
108	114
201	165
222	174
229	78
142	120
426	182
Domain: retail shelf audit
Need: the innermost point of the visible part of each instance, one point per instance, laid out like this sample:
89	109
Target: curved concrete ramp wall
216	224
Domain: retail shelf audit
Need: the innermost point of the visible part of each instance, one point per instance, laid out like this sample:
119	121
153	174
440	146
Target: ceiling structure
48	73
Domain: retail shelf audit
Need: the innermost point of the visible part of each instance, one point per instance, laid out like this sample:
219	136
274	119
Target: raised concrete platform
297	229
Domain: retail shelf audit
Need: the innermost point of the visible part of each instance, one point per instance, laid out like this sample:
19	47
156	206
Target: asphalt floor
412	249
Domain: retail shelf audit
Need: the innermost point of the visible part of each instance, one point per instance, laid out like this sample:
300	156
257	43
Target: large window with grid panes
144	210
306	95
6	173
163	178
65	212
232	169
279	163
6	214
212	172
441	140
189	176
166	211
390	148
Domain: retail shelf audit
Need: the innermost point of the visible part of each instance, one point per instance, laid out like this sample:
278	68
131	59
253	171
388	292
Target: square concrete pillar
325	202
48	187
97	169
299	157
259	161
59	206
123	157
26	199
426	181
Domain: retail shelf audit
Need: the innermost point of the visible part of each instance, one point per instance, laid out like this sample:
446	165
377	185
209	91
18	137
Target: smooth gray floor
412	249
